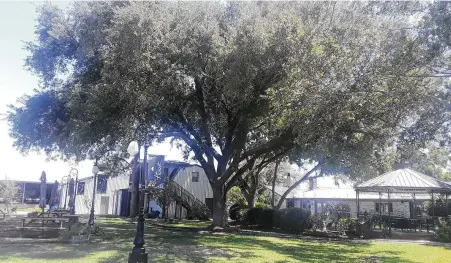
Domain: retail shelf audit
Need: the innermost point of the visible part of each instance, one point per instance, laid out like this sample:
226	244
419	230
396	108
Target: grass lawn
181	246
191	223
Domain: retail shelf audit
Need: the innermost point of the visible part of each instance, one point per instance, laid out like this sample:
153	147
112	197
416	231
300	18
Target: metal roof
404	180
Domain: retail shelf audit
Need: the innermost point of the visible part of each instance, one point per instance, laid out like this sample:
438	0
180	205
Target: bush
251	216
294	220
443	232
260	217
234	211
353	227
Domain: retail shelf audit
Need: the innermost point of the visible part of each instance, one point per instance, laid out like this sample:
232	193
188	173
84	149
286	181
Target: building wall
400	208
114	184
200	189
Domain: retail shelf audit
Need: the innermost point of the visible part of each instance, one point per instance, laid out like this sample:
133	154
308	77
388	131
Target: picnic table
44	221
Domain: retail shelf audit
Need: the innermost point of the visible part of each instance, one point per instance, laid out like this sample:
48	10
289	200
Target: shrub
260	217
265	218
251	216
443	231
234	211
295	220
353	227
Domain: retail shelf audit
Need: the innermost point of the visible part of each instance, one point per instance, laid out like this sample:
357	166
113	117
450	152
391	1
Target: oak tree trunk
220	217
273	190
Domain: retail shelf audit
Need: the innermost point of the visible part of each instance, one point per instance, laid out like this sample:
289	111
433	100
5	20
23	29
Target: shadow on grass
248	247
163	245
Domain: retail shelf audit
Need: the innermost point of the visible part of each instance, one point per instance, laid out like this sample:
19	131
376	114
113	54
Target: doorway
104	203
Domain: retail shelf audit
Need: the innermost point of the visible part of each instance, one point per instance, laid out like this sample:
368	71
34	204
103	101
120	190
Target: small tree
9	191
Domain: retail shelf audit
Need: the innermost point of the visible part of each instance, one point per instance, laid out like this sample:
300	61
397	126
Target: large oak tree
236	82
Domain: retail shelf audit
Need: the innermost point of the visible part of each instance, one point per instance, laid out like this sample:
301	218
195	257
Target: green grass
181	246
191	223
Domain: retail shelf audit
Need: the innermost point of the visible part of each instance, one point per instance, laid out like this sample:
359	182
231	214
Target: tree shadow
305	251
162	245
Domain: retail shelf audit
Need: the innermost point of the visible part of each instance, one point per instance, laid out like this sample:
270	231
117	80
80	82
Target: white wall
114	184
200	189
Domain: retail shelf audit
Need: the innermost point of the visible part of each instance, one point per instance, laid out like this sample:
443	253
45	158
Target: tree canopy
237	82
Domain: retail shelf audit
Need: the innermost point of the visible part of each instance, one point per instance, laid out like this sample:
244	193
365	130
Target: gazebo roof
404	180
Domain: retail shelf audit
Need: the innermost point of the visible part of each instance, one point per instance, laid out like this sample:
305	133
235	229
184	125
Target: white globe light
133	148
95	169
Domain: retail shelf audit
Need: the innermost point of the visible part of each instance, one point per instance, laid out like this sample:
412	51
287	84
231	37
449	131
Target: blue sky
17	21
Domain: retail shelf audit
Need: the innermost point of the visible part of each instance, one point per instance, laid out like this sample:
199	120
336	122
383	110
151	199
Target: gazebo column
433	203
433	212
413	213
389	212
380	210
447	204
358	202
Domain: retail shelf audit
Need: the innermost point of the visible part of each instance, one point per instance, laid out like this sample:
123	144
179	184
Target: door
125	203
104	202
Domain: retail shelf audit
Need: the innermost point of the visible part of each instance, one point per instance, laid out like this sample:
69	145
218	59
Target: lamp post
138	254
95	171
65	180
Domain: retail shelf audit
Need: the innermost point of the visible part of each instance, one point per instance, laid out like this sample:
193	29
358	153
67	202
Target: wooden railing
194	206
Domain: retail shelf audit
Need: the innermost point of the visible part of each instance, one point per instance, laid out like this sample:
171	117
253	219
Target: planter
81	239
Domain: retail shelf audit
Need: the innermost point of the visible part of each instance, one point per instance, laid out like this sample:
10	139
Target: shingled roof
404	180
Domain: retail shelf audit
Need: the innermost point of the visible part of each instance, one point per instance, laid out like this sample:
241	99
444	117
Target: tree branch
296	184
209	170
269	146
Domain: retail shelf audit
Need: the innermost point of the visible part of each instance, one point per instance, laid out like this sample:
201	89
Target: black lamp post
95	171
138	254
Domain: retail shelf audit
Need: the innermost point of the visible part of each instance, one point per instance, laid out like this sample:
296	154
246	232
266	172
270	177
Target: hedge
293	220
261	217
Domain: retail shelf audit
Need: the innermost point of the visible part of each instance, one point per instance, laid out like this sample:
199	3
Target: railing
189	201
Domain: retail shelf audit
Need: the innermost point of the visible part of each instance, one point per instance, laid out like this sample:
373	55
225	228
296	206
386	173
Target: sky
17	21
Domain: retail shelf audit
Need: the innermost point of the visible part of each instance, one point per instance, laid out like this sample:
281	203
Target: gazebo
403	181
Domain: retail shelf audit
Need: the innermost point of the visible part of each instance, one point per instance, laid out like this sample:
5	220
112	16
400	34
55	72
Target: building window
386	207
290	203
81	188
102	181
195	177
